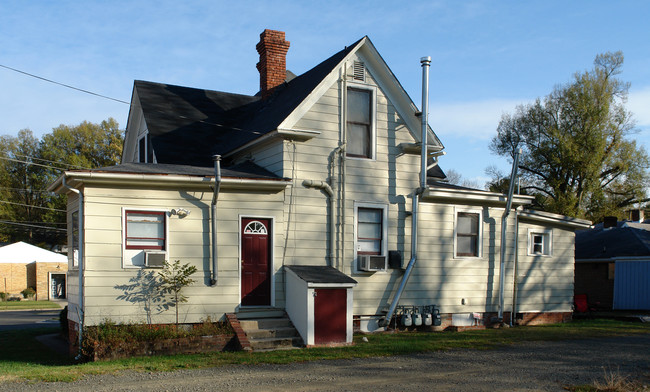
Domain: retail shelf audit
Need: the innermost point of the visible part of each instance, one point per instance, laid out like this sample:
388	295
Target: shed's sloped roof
188	126
23	253
620	241
320	274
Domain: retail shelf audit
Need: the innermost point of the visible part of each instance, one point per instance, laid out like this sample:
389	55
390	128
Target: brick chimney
273	60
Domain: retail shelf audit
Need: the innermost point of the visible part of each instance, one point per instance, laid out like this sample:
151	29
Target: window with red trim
145	230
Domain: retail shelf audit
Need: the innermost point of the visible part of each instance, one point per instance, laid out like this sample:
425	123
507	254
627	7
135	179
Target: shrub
16	299
28	293
3	296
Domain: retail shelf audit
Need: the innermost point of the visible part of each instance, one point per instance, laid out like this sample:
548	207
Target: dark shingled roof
188	126
320	274
247	170
620	241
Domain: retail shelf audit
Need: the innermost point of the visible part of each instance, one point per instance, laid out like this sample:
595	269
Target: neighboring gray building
613	265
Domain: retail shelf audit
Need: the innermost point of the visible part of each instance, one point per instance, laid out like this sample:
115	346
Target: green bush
111	336
28	293
3	296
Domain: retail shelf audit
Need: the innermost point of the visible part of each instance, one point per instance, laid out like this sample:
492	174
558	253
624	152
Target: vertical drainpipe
504	224
213	210
80	266
330	194
513	311
426	63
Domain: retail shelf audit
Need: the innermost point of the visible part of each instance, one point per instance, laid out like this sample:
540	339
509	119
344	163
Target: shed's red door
255	262
330	315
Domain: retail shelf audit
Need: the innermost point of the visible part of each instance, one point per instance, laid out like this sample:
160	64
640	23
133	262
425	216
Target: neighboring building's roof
22	253
320	274
243	170
219	122
621	241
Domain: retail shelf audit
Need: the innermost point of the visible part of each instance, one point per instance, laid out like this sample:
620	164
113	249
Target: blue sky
488	56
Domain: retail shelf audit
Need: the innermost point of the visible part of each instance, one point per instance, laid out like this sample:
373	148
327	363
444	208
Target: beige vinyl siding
545	283
112	290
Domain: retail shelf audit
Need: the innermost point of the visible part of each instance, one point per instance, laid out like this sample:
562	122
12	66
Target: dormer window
145	150
360	122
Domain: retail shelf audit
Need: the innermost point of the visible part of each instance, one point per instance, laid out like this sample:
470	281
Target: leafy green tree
29	165
577	156
174	277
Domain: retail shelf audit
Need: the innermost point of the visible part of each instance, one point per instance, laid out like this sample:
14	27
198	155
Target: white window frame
547	237
373	117
147	144
128	255
479	245
384	231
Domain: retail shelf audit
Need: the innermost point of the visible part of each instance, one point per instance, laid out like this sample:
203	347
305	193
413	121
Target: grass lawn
22	357
18	305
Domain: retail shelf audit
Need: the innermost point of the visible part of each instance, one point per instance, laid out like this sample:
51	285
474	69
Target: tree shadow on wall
144	289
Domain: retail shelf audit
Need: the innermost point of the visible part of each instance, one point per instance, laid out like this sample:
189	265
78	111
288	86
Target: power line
25	190
48	161
32	163
34	226
27	205
63	84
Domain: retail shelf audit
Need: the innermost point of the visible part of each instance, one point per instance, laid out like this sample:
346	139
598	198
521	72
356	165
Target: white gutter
504	224
330	193
213	210
168	180
426	63
80	266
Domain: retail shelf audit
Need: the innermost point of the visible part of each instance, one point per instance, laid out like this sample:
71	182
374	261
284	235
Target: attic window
145	150
359	71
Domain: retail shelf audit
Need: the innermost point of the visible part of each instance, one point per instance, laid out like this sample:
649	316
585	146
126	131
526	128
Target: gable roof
606	243
23	253
221	121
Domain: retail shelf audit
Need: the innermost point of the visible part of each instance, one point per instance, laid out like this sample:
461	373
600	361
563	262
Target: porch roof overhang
465	195
547	217
78	179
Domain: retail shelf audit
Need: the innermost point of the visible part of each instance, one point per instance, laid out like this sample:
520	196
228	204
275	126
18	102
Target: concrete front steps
269	329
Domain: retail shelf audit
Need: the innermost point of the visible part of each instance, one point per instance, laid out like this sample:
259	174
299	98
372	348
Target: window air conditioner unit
155	259
372	263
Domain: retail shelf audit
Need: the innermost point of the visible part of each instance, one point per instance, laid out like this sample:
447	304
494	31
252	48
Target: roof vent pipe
426	63
504	225
213	210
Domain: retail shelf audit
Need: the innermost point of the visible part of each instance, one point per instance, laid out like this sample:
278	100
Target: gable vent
359	71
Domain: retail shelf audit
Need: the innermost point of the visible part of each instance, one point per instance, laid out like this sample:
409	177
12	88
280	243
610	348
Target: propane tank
417	319
407	321
428	320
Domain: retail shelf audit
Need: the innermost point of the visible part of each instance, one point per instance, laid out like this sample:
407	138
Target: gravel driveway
541	366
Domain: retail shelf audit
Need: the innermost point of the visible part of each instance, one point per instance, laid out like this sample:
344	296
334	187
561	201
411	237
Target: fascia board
331	285
301	135
472	196
394	91
319	91
77	179
131	131
547	217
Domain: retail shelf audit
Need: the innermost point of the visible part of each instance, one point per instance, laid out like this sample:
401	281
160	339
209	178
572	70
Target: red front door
330	315
255	262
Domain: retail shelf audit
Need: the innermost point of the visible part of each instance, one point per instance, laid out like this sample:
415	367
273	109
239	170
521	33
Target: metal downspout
426	63
330	193
213	210
513	311
80	267
504	224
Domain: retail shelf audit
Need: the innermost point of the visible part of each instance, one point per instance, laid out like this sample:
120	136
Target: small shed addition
319	302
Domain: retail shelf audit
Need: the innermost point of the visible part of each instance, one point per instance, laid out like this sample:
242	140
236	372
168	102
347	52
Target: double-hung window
360	122
369	231
539	242
145	150
145	230
468	234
